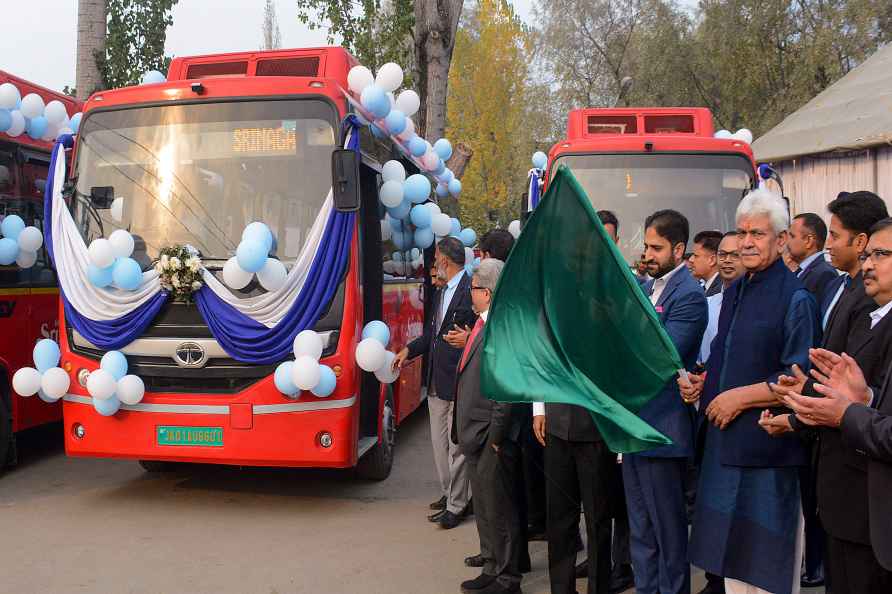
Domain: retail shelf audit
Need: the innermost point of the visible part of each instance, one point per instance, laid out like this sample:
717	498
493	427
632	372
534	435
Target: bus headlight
82	376
78	431
325	439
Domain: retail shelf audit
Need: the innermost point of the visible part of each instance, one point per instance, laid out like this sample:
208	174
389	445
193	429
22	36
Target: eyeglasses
473	288
876	255
728	255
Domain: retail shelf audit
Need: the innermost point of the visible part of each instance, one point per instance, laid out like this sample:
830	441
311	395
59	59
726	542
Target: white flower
175	281
165	261
196	285
194	264
159	268
175	263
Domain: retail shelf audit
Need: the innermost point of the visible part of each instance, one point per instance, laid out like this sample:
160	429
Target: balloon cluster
540	160
19	243
398	266
390	115
29	114
48	380
111	264
372	354
252	257
305	372
743	135
110	386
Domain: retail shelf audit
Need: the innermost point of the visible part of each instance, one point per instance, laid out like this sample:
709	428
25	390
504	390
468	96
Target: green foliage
134	44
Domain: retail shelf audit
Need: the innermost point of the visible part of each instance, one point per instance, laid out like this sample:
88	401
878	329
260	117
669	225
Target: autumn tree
134	44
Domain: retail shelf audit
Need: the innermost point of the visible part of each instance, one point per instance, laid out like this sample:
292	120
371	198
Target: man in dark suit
805	244
861	414
487	434
704	264
655	479
451	310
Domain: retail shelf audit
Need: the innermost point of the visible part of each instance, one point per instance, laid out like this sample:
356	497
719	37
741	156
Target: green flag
569	323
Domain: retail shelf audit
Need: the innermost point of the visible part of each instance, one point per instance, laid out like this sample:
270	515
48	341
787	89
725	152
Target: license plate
190	436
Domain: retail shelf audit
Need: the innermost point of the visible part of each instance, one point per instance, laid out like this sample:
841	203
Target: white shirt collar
665	278
711	279
483	315
453	282
807	262
878	314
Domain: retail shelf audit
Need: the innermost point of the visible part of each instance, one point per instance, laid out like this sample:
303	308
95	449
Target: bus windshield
197	174
705	188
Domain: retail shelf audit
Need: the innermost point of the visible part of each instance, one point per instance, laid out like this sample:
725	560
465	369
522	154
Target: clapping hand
839	373
786	383
775	425
457	337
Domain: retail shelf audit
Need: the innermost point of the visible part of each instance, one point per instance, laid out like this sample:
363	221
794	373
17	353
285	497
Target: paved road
81	525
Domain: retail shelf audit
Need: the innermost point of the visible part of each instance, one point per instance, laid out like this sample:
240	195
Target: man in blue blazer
655	479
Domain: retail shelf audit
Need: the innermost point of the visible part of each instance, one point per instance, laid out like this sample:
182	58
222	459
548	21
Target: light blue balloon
424	238
441	168
447	177
42	395
396	121
252	255
417	146
540	160
153	77
468	237
401	211
107	407
420	216
9	251
417	188
258	231
37	127
11	226
455	230
443	148
375	100
75	122
455	187
284	381
46	354
327	382
127	274
378	330
115	363
402	240
442	191
397	225
99	277
5	120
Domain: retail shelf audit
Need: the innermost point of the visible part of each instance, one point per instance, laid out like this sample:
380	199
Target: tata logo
190	354
6	308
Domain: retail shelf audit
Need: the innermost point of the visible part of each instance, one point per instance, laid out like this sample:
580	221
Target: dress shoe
535	533
439	504
621	578
474	561
812	581
478	583
496	588
582	570
449	520
435	517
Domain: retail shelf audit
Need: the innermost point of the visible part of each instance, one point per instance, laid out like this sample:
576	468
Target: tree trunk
91	24
460	158
436	22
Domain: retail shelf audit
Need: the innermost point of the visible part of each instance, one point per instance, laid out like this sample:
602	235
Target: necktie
464	356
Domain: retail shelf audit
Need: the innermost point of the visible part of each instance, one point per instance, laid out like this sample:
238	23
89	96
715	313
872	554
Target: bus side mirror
345	180
101	197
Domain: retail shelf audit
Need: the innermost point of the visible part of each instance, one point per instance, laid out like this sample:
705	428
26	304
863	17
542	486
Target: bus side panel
43	323
403	314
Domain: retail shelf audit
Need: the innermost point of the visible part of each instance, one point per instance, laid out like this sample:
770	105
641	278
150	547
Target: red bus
29	298
634	161
228	139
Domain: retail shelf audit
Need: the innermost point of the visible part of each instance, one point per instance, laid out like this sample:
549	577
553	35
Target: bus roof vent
215	69
612	124
305	66
669	124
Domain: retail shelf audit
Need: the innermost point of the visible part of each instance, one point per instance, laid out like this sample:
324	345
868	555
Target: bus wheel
6	437
378	461
156	465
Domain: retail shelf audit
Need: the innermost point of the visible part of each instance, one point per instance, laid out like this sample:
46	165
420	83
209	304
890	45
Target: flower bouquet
180	270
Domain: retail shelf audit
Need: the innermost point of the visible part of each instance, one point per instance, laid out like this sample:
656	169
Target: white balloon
32	105
408	102
722	134
391	193
30	239
393	171
441	224
26	259
26	381
55	112
117	209
101	384
743	135
131	389
308	344
55	382
306	373
272	275
234	276
435	209
514	228
390	77
359	78
9	96
122	243
17	127
387	375
101	252
370	355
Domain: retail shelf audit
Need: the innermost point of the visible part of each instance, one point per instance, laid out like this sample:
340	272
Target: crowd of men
781	430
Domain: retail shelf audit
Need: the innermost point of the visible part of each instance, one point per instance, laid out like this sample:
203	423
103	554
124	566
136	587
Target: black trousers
814	532
496	510
534	479
854	569
620	514
577	473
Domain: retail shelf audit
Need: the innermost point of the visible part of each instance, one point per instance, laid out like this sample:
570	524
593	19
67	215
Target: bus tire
378	461
156	465
7	445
